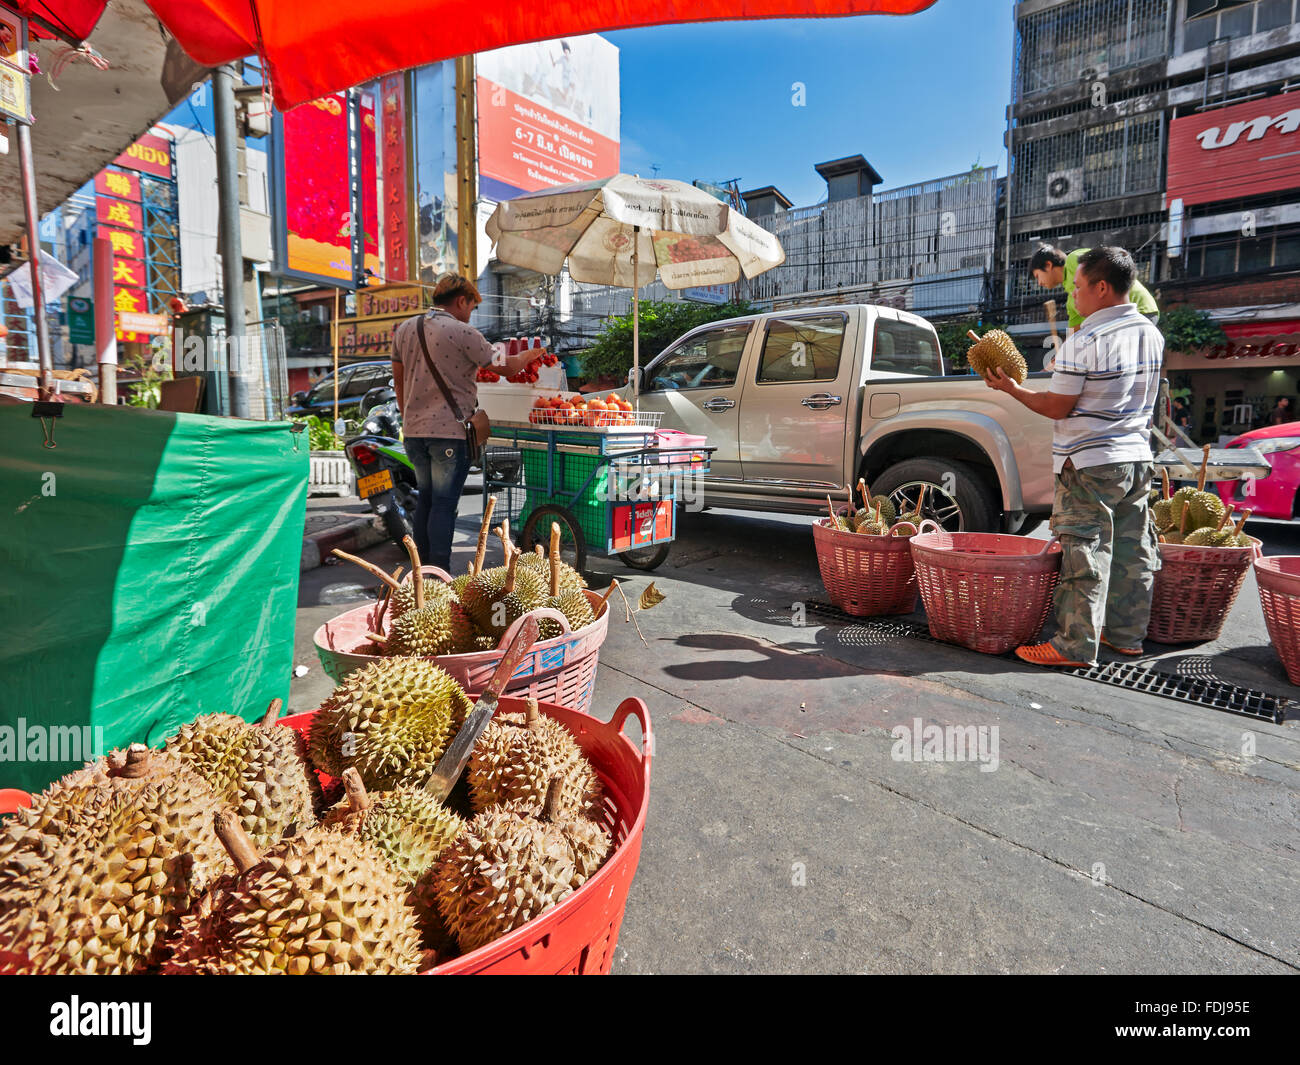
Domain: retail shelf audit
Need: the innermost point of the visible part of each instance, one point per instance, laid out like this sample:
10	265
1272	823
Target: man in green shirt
1052	268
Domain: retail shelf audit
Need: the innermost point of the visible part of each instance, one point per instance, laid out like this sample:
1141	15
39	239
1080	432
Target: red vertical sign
395	207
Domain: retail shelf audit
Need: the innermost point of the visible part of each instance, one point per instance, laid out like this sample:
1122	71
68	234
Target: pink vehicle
1274	496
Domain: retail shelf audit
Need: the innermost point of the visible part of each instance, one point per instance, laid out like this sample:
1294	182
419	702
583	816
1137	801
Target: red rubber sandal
1129	652
1044	654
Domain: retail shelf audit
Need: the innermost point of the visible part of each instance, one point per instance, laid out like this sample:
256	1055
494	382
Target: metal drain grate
1198	690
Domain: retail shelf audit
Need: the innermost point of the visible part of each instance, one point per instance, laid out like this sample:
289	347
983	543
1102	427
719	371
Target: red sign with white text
530	147
1243	150
151	154
118	213
116	183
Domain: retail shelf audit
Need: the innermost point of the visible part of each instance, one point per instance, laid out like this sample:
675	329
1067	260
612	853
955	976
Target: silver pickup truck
803	403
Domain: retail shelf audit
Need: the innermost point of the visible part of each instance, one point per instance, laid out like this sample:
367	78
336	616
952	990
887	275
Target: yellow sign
14	98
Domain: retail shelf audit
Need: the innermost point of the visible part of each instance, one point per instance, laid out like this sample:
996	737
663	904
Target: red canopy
312	47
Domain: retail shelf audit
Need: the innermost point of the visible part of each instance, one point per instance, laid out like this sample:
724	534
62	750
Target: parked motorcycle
385	477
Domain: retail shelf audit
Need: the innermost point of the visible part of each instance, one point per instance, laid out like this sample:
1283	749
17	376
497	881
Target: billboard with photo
548	114
312	190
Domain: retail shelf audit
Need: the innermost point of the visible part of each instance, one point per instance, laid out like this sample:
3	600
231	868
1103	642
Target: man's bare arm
399	382
1054	405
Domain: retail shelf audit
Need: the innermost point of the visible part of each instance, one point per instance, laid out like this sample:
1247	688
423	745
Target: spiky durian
402	601
1205	509
838	521
438	628
567	599
497	597
324	902
1162	515
391	720
996	348
485	643
517	758
507	867
95	876
261	771
408	826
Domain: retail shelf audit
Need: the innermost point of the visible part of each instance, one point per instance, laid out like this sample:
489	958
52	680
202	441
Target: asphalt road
1113	832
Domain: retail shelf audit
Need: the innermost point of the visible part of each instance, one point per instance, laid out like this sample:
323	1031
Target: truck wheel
956	497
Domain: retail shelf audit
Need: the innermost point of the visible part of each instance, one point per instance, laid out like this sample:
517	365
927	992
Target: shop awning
1284	330
312	47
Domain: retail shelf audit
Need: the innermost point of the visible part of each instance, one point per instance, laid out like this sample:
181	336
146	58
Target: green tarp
148	574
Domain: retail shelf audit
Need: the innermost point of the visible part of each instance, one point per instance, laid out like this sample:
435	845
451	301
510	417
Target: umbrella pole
34	253
636	321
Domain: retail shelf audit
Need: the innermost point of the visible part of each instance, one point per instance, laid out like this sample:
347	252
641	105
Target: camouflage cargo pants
1108	557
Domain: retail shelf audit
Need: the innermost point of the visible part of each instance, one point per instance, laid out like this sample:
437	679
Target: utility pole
232	251
466	169
27	165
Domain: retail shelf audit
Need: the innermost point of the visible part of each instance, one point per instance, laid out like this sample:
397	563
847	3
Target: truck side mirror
636	379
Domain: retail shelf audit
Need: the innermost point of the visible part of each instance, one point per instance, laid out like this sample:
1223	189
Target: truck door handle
822	400
718	404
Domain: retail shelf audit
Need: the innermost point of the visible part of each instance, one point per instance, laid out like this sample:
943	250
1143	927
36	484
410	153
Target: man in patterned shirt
432	432
1101	399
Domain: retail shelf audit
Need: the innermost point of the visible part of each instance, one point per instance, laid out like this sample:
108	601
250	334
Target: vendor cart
613	489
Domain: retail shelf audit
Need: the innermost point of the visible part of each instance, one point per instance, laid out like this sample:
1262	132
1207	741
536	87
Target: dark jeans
441	467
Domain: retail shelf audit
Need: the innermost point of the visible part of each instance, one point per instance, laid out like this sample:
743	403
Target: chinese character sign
126	244
118	213
118	184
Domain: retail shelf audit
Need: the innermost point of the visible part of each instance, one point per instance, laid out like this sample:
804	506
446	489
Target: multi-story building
1167	127
927	247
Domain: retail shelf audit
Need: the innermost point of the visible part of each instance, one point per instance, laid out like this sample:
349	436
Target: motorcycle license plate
375	483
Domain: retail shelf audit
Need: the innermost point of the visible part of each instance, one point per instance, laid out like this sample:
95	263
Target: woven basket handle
934	526
636	708
1053	539
539	613
429	571
907	525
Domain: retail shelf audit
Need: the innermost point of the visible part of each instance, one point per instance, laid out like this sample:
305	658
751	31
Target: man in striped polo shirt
1101	400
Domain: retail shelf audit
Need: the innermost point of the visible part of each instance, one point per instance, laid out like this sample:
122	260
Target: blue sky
920	96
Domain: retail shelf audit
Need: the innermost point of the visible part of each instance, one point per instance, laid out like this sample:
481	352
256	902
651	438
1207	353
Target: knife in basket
456	757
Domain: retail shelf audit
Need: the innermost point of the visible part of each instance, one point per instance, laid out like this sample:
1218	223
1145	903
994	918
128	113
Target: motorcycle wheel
399	515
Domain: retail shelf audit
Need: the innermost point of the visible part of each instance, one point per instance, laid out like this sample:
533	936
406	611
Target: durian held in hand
995	349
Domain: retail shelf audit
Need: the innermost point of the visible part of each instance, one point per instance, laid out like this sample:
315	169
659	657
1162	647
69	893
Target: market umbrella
624	230
314	47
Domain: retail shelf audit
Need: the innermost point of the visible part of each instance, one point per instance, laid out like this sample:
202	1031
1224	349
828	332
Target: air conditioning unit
1065	187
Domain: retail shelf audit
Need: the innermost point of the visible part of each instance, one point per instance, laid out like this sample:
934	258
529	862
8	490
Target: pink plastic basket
986	591
865	575
561	670
1278	578
577	936
1195	588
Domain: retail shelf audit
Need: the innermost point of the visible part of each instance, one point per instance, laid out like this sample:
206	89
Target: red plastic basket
578	936
561	670
865	575
12	800
1195	588
1278	578
986	591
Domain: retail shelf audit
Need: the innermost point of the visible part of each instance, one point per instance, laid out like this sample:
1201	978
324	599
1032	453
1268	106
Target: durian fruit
995	348
507	867
1240	538
874	508
517	758
837	522
1211	536
873	525
391	720
1205	509
568	601
408	826
417	587
914	517
96	875
261	771
485	643
1175	535
1162	515
497	597
325	902
430	629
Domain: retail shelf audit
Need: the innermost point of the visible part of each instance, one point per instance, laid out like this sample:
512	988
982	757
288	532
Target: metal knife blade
456	756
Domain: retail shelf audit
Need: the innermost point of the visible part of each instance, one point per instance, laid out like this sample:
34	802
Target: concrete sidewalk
336	521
